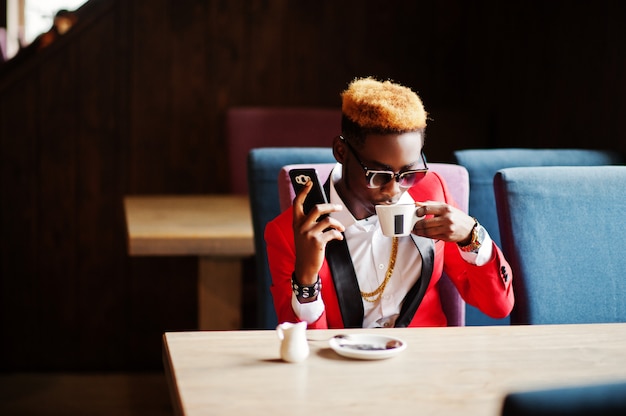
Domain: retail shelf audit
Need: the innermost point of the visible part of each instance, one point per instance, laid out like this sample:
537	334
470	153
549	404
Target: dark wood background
132	100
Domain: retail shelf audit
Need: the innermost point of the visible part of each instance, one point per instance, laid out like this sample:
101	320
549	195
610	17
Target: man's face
390	152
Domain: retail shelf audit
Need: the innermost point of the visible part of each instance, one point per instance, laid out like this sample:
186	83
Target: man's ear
339	150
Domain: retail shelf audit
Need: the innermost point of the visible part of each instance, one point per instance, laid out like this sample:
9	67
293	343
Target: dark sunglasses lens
378	179
409	179
405	180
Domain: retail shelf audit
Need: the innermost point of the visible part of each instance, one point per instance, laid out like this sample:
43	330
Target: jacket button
504	274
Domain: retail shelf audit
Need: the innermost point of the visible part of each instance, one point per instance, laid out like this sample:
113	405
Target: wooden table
216	228
443	371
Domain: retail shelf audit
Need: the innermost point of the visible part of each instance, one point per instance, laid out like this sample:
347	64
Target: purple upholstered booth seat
254	127
457	179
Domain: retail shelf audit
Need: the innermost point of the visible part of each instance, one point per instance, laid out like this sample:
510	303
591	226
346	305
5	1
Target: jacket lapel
346	284
344	278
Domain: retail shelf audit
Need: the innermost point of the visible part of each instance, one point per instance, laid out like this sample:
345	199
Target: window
27	19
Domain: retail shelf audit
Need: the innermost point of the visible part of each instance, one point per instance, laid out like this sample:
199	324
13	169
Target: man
341	271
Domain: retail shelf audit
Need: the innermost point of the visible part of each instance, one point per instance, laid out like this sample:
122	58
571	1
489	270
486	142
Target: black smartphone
299	177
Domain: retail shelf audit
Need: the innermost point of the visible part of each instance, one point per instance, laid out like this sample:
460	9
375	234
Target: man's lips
388	202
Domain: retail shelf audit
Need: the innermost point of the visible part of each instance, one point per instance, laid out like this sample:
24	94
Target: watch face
478	236
481	234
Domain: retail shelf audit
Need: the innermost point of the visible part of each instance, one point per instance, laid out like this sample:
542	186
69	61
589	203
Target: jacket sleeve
281	257
486	287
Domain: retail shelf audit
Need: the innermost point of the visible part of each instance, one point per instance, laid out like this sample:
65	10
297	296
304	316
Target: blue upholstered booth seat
482	165
563	231
607	399
264	164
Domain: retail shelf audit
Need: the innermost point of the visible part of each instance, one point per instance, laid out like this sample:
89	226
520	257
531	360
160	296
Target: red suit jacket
486	287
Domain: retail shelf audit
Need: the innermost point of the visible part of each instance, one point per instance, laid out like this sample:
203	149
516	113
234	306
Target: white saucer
355	346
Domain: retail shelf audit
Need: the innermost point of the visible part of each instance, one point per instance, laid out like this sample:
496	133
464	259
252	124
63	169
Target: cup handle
416	218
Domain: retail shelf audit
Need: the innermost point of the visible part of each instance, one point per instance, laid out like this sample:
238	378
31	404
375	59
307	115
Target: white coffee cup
397	220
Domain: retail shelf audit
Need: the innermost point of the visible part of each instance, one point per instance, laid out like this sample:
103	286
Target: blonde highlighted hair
380	107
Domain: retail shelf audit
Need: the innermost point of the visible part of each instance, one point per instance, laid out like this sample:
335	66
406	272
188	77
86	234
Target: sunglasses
378	178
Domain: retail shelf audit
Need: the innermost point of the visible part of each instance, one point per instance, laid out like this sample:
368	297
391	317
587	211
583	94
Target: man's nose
392	188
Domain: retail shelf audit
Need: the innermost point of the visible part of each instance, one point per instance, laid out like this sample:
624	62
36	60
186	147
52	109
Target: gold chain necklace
376	294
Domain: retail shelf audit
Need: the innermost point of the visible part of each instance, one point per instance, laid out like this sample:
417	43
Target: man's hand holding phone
312	230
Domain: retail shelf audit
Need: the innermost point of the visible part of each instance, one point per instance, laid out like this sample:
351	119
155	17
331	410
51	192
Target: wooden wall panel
19	253
57	280
101	181
131	101
170	128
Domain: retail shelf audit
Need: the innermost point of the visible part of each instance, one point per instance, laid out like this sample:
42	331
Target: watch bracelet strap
473	240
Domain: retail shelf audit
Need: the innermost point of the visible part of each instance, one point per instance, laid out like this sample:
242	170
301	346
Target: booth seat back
562	230
455	176
482	165
263	167
248	128
606	399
